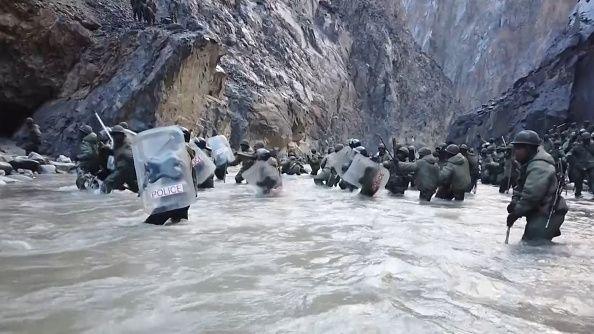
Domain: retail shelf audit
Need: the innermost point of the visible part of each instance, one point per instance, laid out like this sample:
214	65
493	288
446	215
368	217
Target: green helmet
527	137
117	129
85	129
453	149
423	151
403	150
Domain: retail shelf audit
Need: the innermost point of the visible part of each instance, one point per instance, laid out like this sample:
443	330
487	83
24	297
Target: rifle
386	146
558	192
511	167
111	158
104	128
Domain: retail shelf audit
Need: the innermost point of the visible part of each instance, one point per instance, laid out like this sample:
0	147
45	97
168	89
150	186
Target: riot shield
341	160
163	169
263	175
202	164
367	175
221	150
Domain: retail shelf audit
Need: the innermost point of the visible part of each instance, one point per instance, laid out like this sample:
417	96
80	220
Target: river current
310	260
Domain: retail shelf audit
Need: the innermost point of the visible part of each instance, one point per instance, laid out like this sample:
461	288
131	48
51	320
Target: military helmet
314	151
381	146
362	150
354	143
29	120
423	151
463	147
200	142
453	149
403	150
124	125
85	129
527	137
338	147
244	143
263	154
117	129
411	148
582	131
259	144
187	133
586	136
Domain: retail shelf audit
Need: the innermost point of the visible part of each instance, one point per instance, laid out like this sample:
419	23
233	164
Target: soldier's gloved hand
510	207
511	219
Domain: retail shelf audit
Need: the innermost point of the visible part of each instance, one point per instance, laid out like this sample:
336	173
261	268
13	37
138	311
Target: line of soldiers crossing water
167	167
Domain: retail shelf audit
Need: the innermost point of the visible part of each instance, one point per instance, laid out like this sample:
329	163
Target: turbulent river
311	260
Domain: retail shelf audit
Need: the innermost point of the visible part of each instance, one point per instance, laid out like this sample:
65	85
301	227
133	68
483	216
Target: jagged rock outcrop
318	71
484	46
561	89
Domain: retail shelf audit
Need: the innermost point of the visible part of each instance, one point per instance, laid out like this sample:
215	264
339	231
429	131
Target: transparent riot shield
341	160
263	175
221	150
202	164
366	175
163	169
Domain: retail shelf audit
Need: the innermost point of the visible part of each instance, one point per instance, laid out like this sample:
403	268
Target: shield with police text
163	169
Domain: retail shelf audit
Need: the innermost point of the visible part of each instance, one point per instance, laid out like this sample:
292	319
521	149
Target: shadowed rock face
558	90
39	47
291	70
484	46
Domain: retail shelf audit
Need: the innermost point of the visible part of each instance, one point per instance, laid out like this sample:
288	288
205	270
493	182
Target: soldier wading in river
538	194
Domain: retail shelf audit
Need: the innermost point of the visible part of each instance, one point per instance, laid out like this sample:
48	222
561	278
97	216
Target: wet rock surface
291	71
484	46
558	90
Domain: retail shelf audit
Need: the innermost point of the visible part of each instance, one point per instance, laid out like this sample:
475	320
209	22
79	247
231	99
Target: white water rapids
312	260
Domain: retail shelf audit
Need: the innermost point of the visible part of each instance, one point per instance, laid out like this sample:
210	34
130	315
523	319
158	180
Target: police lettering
168	191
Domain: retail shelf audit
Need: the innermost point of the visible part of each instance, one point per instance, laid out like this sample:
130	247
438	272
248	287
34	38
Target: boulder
38	157
25	163
63	159
63	167
25	172
5	167
47	169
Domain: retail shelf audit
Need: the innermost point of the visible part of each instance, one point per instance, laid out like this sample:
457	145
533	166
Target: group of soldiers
146	10
444	172
534	168
571	146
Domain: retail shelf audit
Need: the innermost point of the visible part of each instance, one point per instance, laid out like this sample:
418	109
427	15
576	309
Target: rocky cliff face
559	90
282	71
484	46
